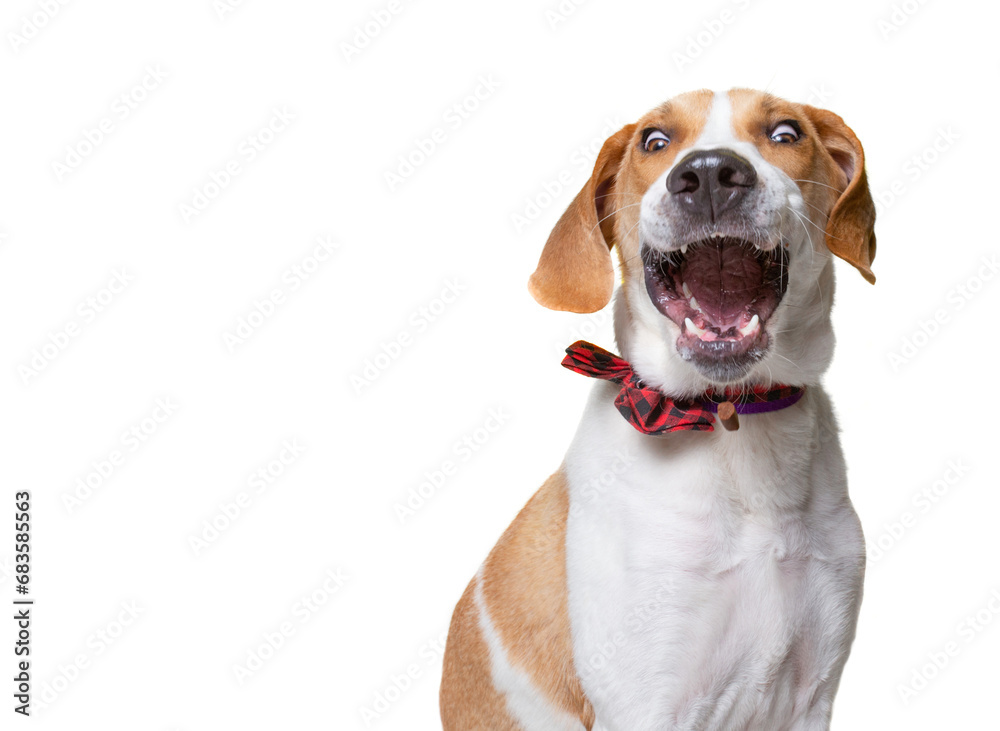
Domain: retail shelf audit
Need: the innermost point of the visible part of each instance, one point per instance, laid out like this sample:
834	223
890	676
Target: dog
672	574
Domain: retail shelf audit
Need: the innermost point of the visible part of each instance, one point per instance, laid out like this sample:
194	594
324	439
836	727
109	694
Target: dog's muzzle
718	286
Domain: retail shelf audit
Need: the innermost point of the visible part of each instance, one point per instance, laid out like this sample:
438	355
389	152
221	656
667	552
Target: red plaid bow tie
651	412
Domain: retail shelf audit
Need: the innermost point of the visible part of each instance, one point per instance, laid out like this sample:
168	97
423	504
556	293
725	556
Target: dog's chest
702	592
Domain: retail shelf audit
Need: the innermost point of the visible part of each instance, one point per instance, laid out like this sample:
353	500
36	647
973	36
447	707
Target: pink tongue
724	280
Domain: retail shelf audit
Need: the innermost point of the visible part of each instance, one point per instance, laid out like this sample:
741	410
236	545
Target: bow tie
652	412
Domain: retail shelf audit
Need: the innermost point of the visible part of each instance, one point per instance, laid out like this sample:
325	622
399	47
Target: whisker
807	220
794	364
608	195
631	205
815	182
814	207
629	232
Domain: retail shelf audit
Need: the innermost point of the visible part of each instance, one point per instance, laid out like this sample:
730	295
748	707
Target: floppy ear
575	272
850	231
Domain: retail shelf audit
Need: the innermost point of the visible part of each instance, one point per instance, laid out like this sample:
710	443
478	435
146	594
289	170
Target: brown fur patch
524	589
827	163
682	118
756	113
575	272
524	584
468	698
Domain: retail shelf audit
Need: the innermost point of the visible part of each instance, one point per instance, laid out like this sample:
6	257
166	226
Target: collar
653	412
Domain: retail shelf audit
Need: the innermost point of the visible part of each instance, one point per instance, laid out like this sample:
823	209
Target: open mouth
720	292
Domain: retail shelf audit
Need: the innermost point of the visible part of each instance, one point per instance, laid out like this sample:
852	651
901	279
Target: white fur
715	585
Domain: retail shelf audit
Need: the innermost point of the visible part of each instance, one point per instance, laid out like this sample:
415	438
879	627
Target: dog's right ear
575	272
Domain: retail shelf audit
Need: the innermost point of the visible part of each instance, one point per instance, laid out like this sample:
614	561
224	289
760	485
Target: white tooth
750	326
694	304
684	249
692	327
686	289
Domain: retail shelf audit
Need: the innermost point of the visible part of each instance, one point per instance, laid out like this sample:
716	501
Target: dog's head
724	208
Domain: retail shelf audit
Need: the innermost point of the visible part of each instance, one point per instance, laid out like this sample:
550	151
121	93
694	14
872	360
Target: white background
905	80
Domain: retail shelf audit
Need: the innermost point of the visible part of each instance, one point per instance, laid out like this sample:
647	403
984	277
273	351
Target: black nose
708	182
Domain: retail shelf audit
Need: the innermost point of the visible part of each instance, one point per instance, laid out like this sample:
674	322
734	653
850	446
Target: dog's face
724	208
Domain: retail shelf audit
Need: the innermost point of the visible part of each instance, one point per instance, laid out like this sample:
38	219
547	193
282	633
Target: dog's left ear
850	231
575	272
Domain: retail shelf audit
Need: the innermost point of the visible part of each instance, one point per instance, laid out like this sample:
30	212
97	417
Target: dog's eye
786	132
655	140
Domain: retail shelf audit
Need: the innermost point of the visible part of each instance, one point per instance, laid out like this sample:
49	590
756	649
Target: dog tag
728	416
